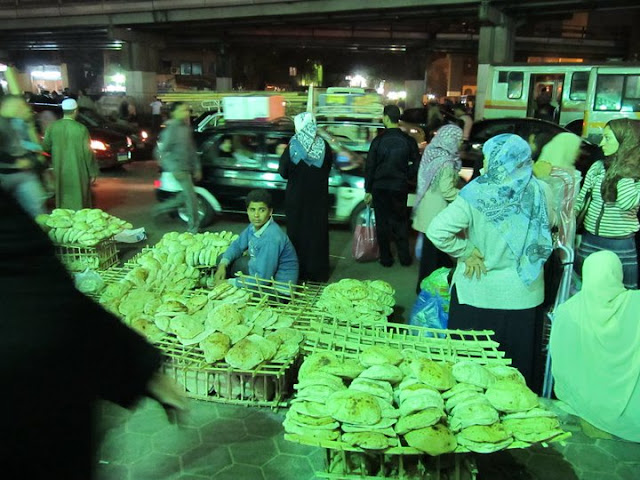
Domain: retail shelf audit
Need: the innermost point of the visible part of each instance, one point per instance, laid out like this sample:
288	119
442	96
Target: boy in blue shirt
270	252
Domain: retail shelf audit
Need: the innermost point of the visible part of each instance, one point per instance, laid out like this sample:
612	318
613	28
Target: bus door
545	96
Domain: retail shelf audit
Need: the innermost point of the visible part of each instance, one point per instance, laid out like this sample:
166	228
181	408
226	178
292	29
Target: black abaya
307	210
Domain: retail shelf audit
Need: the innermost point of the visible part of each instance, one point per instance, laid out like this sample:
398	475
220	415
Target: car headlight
144	134
98	145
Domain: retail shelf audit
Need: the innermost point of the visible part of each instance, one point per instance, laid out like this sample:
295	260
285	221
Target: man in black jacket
393	159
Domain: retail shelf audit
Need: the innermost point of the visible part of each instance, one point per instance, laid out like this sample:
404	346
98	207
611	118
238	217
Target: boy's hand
221	274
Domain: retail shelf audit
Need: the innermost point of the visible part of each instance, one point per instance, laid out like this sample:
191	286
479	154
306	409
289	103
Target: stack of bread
195	249
223	328
389	398
86	227
352	299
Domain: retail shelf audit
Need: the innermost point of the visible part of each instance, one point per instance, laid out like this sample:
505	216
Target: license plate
123	157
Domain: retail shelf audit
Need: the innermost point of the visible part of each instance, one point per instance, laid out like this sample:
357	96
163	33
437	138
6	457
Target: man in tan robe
74	165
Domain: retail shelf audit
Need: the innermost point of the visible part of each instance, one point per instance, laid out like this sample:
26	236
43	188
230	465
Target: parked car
483	130
111	148
240	156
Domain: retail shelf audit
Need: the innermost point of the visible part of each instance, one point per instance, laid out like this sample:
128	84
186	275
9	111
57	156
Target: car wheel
205	210
357	216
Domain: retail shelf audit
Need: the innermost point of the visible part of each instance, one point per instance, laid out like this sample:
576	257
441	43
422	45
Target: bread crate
358	465
78	258
280	293
349	338
268	385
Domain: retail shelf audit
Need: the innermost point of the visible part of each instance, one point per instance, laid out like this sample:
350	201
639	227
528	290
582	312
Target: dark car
142	141
111	148
528	129
240	156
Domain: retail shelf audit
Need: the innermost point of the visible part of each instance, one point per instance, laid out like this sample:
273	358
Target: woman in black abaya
306	163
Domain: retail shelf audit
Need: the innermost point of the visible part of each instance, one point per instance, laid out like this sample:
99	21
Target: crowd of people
496	233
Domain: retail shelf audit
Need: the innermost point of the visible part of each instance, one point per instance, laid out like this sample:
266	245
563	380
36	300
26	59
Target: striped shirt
611	219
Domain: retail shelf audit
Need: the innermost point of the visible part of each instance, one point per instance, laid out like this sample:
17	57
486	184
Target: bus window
579	84
609	92
514	85
631	100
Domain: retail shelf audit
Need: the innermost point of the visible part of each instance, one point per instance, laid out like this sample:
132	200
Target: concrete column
140	56
415	91
455	75
497	35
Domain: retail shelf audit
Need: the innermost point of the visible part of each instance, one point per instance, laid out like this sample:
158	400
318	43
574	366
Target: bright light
144	134
401	95
380	88
119	78
115	88
357	80
431	96
46	75
98	145
3	67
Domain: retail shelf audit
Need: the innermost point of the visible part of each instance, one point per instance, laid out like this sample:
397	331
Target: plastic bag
131	236
365	244
431	308
88	281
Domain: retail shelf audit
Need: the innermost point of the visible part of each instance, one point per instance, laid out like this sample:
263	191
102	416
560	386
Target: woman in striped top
614	187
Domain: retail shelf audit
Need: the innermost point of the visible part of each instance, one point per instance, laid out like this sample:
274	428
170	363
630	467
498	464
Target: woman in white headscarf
306	163
556	167
438	186
595	349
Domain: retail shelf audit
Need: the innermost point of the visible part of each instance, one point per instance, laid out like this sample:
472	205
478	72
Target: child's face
259	214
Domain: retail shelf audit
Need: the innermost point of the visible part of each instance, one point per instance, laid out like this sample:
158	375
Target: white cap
69	104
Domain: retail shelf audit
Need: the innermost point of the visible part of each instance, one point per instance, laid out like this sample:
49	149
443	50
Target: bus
580	97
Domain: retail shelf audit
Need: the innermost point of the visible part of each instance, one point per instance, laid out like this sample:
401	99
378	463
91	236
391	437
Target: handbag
583	211
365	243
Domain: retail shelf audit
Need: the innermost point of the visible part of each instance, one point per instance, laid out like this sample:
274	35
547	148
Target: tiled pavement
224	442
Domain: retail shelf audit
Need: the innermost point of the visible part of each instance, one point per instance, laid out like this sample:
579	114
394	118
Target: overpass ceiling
320	24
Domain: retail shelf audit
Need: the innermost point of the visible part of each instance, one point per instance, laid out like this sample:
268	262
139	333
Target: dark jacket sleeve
285	162
49	329
370	166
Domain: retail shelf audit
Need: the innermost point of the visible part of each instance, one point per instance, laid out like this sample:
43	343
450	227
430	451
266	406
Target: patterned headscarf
306	145
513	202
625	163
442	151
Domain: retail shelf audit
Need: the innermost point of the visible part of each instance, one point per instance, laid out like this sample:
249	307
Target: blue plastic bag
431	308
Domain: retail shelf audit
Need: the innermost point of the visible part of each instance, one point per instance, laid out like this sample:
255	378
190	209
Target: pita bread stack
485	439
434	374
433	440
379	355
511	396
472	373
86	227
351	299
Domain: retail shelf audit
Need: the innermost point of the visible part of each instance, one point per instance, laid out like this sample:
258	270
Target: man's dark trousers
392	223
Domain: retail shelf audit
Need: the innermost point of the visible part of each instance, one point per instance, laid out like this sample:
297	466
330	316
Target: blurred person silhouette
595	349
84	100
19	155
74	166
178	155
60	352
460	111
306	164
438	185
156	114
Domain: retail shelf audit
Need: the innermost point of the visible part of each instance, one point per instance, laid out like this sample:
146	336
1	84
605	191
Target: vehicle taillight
157	184
129	142
98	145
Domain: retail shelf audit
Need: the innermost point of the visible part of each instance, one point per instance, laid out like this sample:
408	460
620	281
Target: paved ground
239	443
